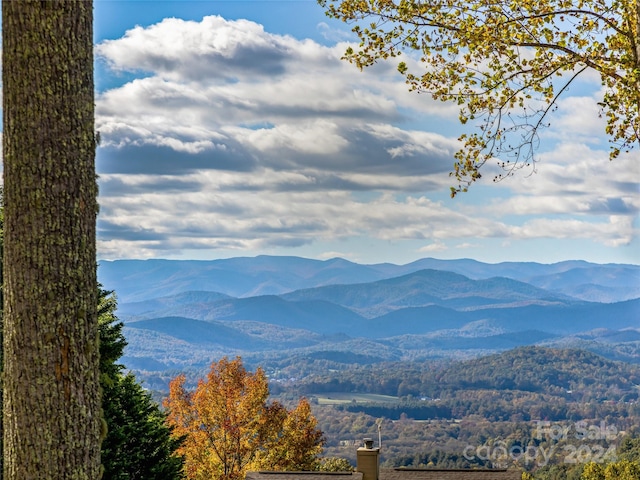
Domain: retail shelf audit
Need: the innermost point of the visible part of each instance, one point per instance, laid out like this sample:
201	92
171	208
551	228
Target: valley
180	315
446	360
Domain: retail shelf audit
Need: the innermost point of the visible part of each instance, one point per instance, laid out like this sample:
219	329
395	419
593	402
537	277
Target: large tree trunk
51	397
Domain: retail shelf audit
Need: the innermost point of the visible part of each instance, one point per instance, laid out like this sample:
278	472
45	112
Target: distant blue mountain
186	313
430	287
198	332
139	280
170	302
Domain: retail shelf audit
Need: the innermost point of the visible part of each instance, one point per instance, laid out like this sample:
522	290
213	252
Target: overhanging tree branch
513	51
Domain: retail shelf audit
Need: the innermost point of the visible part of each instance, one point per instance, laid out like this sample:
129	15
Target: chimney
367	460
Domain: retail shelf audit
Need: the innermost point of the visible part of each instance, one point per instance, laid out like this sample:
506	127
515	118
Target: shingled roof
449	474
368	468
394	474
266	475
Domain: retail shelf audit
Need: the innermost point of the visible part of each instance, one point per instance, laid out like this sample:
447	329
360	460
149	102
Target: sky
233	128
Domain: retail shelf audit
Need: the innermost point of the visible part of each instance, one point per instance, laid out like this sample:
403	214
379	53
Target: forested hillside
443	356
553	379
553	399
184	314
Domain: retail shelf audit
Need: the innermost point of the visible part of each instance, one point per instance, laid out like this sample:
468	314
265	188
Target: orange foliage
230	428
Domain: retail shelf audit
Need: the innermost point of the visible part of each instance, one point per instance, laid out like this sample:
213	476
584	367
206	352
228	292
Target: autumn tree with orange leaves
229	427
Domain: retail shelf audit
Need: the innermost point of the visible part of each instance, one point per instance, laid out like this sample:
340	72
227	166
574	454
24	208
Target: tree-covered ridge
516	400
573	374
578	373
347	313
483	389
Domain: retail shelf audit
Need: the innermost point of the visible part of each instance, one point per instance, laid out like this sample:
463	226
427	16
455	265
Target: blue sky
232	128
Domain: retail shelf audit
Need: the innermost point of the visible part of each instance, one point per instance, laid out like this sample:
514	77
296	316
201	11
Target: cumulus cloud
235	138
216	49
575	178
215	217
578	117
308	109
616	232
433	247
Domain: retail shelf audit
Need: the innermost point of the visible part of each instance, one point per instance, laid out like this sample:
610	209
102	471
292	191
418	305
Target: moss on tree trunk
51	394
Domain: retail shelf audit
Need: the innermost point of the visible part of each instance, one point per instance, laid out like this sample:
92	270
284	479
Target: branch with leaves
506	63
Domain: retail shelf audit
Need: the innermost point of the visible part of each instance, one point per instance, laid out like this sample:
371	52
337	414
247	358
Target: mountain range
137	280
184	314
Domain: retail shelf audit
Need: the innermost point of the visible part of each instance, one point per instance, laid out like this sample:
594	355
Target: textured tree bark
51	396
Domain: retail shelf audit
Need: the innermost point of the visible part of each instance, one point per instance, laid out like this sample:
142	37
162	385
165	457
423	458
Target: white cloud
215	214
616	232
578	118
237	138
433	247
334	34
216	49
318	138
